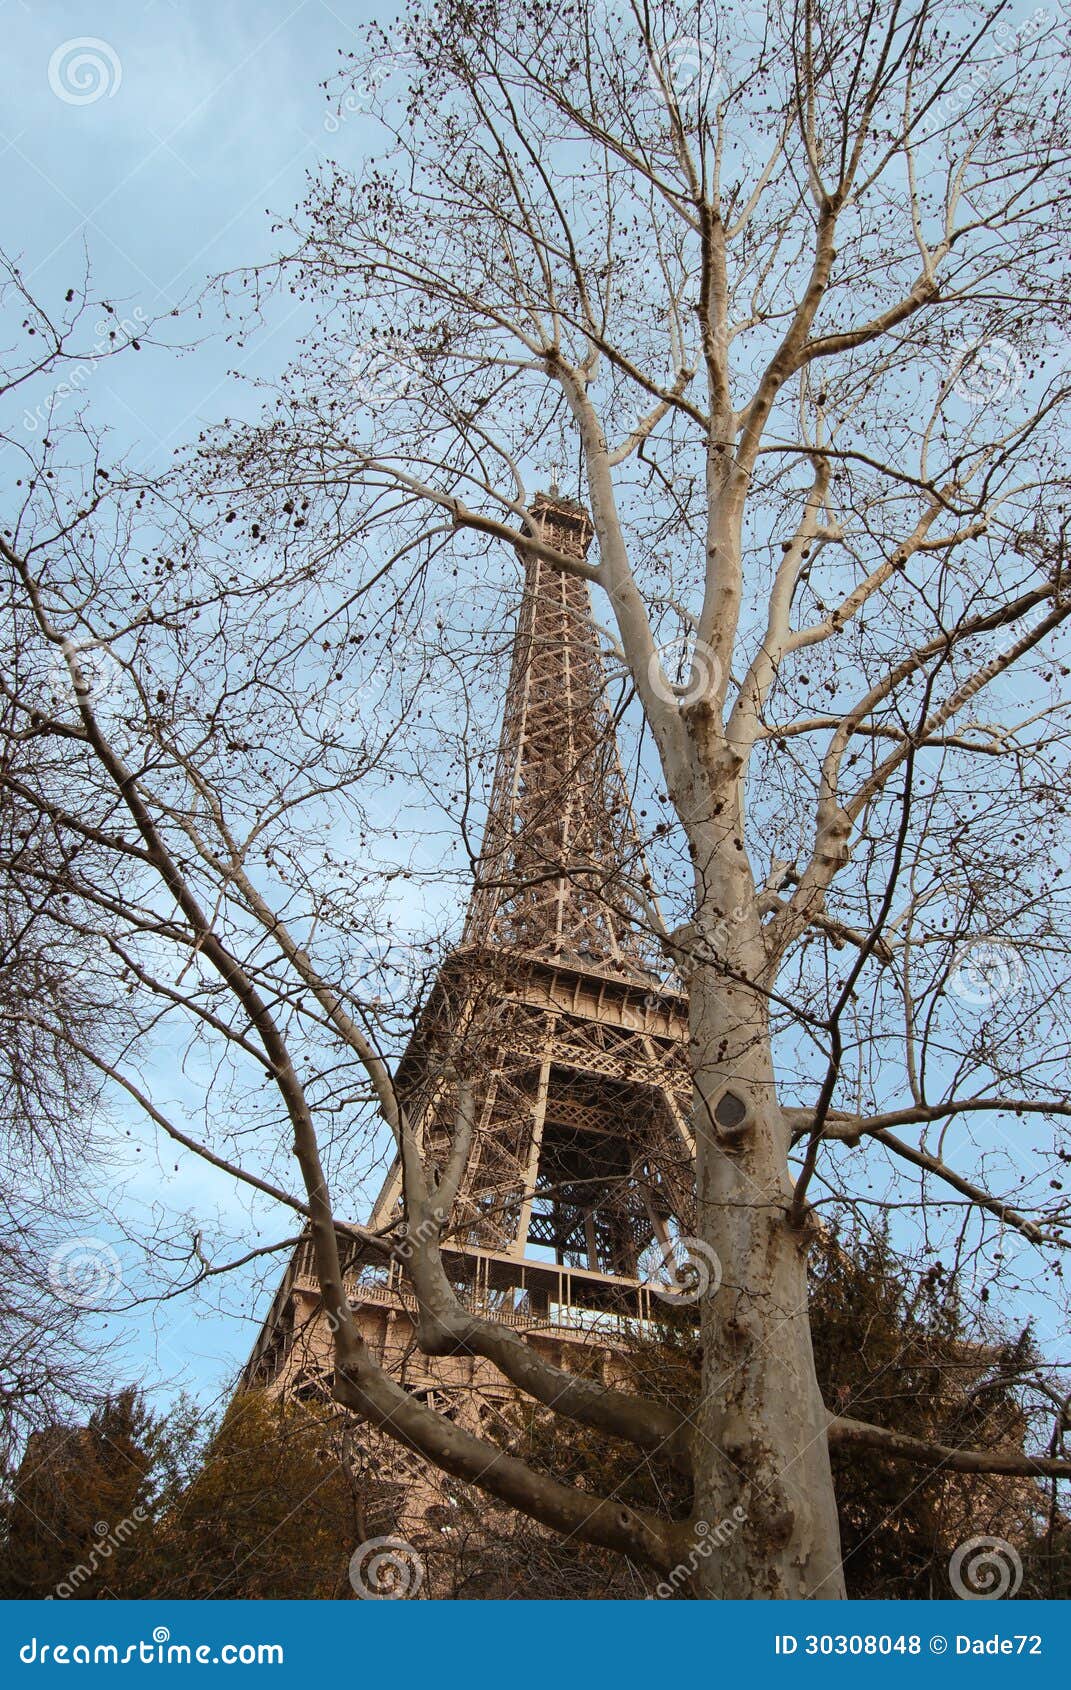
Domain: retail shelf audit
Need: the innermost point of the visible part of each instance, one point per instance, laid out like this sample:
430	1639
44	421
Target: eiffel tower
567	1041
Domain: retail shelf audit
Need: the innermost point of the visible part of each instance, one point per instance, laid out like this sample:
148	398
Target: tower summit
560	849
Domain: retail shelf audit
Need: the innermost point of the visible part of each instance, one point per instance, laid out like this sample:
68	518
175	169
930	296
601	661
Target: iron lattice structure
561	861
551	1023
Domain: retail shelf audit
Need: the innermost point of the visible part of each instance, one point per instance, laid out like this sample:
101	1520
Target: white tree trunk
764	1490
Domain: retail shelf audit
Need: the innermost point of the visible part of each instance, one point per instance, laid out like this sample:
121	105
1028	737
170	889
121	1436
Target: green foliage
269	1513
83	1497
895	1351
134	1505
264	1504
890	1348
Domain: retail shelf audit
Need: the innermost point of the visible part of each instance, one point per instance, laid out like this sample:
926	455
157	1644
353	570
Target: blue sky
159	140
202	120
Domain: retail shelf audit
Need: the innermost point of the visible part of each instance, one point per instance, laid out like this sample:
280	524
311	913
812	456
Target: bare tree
790	292
53	1357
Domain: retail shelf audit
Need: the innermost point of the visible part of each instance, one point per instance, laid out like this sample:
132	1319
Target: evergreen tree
82	1499
269	1513
264	1503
